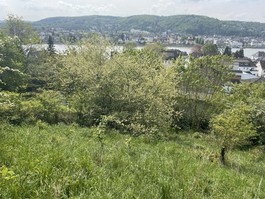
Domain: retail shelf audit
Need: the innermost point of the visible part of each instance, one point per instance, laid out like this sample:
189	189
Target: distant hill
182	24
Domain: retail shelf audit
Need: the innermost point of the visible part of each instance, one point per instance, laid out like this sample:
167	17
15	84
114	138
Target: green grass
70	162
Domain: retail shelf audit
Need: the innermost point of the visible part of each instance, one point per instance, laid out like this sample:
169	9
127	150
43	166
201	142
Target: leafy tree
12	64
227	51
201	84
42	69
16	27
184	38
239	54
156	48
55	108
28	108
51	48
199	41
253	95
133	88
232	128
142	104
210	49
196	51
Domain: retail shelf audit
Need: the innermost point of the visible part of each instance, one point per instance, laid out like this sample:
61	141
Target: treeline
180	24
131	91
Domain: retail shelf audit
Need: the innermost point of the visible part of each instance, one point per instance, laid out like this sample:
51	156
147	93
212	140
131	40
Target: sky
33	10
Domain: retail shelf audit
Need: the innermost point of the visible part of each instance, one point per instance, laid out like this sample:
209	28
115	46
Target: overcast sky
32	10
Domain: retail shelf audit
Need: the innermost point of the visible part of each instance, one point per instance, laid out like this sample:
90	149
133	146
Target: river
248	52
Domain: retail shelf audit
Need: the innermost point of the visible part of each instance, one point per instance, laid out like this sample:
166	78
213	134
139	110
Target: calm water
247	51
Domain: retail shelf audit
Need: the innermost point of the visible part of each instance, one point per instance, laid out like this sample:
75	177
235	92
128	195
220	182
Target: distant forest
178	24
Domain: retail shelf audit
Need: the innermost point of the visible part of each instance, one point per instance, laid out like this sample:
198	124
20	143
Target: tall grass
71	162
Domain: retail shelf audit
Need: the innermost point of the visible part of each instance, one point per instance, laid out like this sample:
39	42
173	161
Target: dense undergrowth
72	162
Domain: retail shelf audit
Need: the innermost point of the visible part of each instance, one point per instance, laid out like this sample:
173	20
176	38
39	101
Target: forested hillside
182	24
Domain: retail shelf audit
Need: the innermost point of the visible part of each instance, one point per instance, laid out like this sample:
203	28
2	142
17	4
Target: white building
244	64
261	68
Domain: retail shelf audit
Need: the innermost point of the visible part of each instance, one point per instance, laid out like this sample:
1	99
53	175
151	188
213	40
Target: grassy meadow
72	162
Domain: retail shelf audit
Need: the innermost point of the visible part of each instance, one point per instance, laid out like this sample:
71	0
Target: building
258	56
244	64
170	54
261	68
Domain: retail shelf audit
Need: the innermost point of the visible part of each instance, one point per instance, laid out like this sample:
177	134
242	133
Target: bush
48	106
233	128
258	118
55	108
133	88
8	105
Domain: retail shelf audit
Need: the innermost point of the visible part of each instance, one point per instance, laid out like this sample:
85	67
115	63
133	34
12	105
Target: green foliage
15	109
139	90
201	85
233	128
156	48
199	41
51	49
133	87
56	108
252	95
12	64
227	51
239	53
8	102
48	106
80	72
196	51
258	119
42	70
210	49
16	27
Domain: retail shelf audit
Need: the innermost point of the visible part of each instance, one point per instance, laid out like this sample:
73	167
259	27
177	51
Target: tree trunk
222	156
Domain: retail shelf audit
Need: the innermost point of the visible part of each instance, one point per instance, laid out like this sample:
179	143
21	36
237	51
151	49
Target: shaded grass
70	162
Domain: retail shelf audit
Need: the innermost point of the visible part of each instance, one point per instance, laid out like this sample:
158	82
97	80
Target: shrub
48	106
232	128
133	88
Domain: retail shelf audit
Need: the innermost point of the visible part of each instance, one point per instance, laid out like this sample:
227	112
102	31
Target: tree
196	51
199	41
201	82
253	95
12	64
227	51
239	54
51	48
232	128
156	48
41	69
133	89
210	49
16	27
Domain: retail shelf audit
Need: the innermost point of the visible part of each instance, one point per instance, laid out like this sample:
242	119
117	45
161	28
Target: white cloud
85	8
63	3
